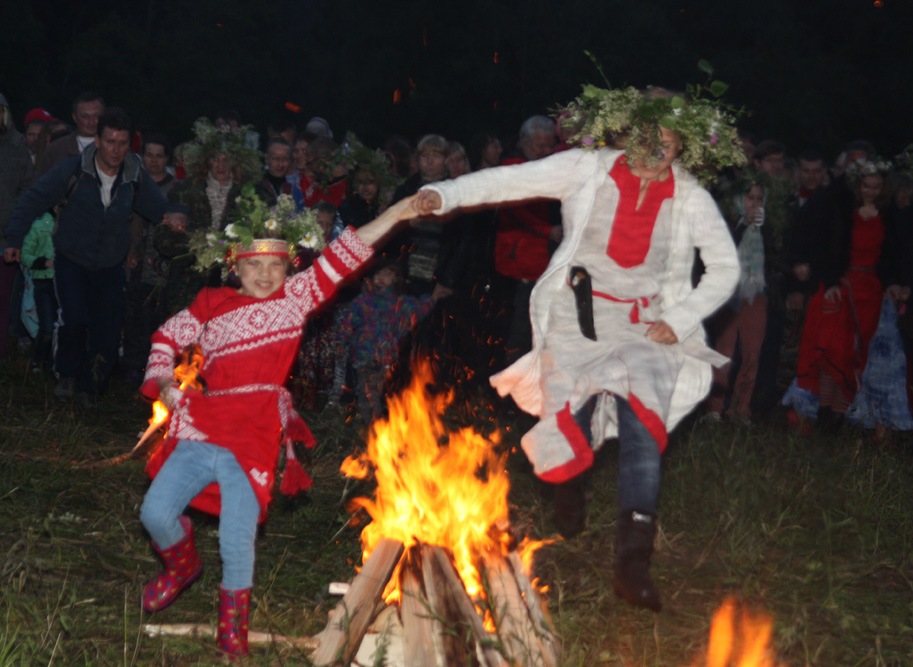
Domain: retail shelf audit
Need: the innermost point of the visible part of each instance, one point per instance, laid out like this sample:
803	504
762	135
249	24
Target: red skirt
836	335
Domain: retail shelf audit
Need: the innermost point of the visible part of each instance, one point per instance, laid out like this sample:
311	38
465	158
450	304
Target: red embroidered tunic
248	346
632	229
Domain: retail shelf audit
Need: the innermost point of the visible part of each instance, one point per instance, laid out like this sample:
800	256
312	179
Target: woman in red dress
842	316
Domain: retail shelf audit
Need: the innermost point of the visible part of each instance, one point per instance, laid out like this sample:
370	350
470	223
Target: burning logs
440	624
460	592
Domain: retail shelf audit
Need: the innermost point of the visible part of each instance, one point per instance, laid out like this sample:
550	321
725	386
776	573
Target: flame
434	485
739	638
187	373
159	414
527	550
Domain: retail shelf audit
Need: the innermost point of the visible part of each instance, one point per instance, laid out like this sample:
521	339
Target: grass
817	533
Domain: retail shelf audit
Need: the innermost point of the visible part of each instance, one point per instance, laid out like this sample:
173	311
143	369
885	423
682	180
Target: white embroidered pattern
250	345
261	477
182	427
255	325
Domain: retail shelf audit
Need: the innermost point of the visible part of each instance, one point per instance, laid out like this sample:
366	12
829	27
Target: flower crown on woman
358	157
258	229
631	118
859	169
210	141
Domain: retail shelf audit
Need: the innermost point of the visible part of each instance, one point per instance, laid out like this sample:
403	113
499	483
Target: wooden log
444	588
537	609
448	635
202	630
512	619
419	648
340	639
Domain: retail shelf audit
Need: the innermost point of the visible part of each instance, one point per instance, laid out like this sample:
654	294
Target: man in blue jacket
97	192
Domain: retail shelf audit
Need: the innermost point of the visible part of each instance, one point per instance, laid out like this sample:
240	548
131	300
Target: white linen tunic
662	382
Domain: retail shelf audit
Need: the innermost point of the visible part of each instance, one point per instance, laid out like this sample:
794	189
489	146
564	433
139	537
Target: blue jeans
190	468
638	462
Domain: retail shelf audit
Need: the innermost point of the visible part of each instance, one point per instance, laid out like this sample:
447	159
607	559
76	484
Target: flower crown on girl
257	229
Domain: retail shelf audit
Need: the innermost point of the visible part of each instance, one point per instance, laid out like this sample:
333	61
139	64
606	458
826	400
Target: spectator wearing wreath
218	162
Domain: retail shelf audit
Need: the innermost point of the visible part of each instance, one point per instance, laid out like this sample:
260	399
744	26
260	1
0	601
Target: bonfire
438	548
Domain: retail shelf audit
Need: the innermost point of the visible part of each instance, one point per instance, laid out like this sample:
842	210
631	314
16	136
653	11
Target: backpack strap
60	205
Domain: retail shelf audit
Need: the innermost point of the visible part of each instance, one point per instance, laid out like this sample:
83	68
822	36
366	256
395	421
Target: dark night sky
813	73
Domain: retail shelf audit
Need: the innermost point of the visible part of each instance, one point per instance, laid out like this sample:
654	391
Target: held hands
401	210
373	232
660	332
426	202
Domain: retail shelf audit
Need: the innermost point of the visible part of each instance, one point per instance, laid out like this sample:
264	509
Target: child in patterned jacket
372	328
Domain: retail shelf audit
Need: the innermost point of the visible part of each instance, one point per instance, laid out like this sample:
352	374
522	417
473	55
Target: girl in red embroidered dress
223	442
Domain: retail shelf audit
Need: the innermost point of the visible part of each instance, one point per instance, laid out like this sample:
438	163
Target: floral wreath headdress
237	145
356	156
859	169
613	116
258	229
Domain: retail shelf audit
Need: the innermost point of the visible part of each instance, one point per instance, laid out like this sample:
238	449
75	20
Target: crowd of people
94	306
575	270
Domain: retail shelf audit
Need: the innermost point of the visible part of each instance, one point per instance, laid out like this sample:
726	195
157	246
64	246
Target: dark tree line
813	73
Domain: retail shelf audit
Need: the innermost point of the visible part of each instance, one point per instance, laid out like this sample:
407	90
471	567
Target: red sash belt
636	304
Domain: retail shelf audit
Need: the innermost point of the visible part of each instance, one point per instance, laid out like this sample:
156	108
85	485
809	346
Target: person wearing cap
223	442
15	174
87	109
36	136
